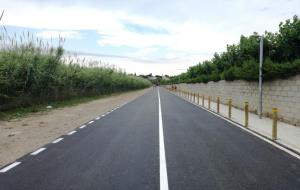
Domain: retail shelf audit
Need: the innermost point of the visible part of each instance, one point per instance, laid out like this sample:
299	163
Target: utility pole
260	75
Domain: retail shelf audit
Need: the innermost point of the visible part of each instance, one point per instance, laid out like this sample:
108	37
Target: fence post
209	102
274	127
246	114
198	97
229	107
203	100
218	105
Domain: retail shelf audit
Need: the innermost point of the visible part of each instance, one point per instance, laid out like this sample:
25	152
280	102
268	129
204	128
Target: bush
31	73
241	61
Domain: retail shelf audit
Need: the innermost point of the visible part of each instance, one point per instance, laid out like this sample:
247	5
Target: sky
147	36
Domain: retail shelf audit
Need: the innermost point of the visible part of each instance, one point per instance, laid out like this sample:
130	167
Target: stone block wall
283	94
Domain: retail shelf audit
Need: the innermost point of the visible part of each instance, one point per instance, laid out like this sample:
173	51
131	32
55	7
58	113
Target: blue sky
147	36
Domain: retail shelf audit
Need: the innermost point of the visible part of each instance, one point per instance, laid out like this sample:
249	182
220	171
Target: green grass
40	108
33	72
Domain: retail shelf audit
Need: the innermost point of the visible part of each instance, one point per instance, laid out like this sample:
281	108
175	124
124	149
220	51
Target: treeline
34	72
241	61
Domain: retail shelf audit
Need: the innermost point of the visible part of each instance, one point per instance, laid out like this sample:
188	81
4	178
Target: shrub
33	73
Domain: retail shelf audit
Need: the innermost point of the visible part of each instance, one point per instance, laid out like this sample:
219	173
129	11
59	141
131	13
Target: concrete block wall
283	94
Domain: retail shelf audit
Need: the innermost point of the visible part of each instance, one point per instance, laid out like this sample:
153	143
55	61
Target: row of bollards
195	98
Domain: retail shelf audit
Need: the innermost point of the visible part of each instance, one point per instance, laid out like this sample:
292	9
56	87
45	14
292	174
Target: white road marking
91	122
3	170
38	151
97	118
57	140
103	115
72	132
258	136
82	126
164	185
262	138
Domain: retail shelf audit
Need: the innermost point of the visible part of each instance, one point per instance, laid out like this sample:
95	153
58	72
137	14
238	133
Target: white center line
82	126
71	133
3	170
57	140
38	151
162	155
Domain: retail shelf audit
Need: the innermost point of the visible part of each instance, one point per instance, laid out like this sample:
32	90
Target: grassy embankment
34	74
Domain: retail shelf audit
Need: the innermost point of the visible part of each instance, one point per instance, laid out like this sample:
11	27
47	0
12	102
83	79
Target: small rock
49	107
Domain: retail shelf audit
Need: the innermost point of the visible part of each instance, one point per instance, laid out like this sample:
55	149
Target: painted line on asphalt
9	167
162	154
259	136
37	151
82	126
57	140
247	130
72	132
97	118
91	122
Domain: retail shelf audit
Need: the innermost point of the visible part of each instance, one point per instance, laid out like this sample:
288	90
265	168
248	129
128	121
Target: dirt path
23	135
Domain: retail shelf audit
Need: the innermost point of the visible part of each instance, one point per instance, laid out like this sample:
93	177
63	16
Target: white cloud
196	29
48	34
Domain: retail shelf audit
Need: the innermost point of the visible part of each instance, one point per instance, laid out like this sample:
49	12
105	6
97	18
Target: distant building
166	77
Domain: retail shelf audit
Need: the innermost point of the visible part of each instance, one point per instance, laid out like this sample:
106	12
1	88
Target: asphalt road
123	150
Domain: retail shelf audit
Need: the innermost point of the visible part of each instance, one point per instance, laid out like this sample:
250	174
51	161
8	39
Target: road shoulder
23	135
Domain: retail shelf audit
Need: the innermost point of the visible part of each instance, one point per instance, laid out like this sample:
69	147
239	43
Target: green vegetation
42	107
241	61
34	73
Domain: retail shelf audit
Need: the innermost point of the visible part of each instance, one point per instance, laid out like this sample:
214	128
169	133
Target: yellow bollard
229	107
194	97
209	102
198	97
218	105
203	100
274	127
246	114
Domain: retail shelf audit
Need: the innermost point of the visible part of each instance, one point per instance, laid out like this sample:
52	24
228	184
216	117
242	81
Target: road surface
157	141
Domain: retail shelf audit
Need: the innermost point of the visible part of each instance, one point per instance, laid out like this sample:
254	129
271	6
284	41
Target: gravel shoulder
23	135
